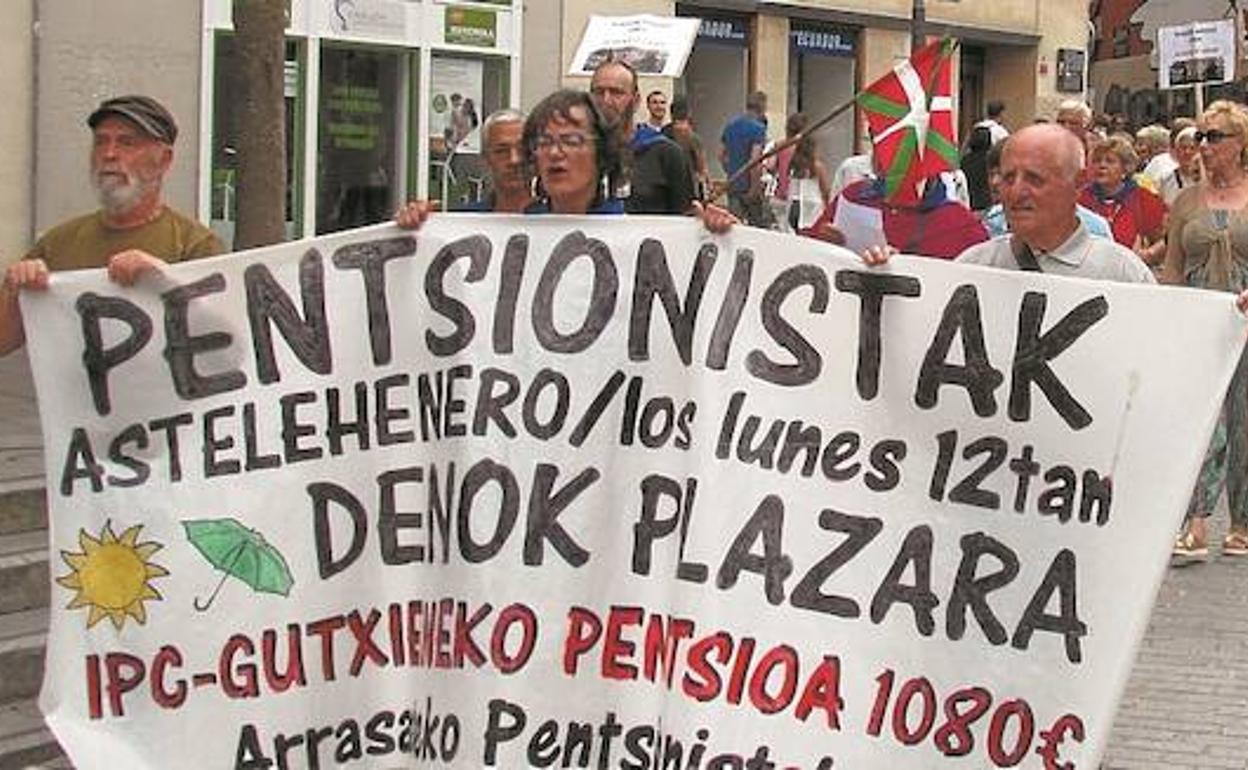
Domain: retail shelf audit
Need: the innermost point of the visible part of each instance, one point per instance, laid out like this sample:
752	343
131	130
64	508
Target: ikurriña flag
909	112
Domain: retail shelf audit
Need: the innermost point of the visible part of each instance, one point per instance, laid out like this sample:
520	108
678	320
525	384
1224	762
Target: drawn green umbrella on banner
241	553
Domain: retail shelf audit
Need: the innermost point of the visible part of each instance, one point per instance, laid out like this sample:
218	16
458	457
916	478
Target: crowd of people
1073	196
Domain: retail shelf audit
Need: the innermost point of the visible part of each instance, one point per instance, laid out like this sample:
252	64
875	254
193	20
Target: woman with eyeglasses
1136	216
1208	248
576	156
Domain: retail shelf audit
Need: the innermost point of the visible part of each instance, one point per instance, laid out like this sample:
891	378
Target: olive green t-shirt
86	242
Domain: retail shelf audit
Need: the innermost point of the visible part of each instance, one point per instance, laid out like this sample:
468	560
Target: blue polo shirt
740	136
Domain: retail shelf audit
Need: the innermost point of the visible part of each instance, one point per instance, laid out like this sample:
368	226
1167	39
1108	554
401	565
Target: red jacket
1131	212
935	227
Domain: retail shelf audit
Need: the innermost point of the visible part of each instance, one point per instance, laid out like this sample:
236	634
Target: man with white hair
502	143
134	231
1075	116
1039	185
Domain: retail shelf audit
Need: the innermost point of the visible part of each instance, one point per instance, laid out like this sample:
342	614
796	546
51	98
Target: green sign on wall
470	26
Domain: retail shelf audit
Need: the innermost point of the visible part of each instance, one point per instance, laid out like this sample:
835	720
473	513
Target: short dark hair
995	108
608	155
756	101
679	108
658	91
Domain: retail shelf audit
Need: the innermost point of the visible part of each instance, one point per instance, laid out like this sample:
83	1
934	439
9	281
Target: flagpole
787	143
834	114
918	25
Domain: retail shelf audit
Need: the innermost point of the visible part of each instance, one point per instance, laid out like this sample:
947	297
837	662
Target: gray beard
120	199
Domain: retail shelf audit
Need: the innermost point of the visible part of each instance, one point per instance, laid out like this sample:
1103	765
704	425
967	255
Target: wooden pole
918	25
813	127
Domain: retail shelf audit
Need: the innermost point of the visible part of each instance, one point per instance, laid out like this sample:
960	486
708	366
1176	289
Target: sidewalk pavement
21	445
1186	705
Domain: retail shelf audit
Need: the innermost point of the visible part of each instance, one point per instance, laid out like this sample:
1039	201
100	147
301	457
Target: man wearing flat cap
133	231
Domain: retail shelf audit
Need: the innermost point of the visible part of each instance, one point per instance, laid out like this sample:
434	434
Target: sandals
1235	543
1188	549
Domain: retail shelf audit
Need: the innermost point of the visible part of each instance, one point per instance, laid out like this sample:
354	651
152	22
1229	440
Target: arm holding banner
25	274
412	215
125	268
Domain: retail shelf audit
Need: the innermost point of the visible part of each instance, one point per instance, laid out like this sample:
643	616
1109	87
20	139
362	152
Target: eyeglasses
565	142
1212	136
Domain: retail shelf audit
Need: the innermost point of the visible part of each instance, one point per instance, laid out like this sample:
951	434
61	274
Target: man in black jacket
659	177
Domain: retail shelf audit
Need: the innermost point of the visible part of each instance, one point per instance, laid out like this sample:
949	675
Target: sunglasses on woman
1212	136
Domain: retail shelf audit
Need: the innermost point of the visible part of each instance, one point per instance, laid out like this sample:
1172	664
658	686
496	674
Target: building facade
17	164
384	97
384	101
1123	78
813	55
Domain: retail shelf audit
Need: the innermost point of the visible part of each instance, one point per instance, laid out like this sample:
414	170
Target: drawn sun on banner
112	575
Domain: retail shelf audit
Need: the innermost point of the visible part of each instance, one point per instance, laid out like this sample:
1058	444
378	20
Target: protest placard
651	45
1198	53
608	492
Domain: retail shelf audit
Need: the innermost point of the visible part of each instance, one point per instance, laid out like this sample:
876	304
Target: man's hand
877	255
26	274
412	215
717	219
127	267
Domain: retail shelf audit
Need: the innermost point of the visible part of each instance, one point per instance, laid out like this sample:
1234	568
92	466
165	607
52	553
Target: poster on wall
652	45
455	105
1199	53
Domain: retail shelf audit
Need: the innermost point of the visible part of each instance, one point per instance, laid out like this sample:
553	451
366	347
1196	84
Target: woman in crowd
1136	216
803	184
1208	248
576	154
578	161
1186	171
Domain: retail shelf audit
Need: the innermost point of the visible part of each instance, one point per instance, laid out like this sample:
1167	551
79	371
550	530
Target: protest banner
608	492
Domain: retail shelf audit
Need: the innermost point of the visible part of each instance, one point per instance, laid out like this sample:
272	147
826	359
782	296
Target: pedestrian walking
1208	249
742	143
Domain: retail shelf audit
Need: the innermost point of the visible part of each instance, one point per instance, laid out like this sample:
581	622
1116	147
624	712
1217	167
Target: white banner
1198	53
652	45
608	492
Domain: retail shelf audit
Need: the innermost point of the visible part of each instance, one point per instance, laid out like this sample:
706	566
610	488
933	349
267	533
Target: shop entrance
822	78
716	80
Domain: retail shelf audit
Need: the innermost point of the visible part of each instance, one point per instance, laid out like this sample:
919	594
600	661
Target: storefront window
226	114
463	91
821	79
715	80
361	127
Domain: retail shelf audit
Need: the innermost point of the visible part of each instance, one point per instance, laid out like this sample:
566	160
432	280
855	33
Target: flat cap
145	112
